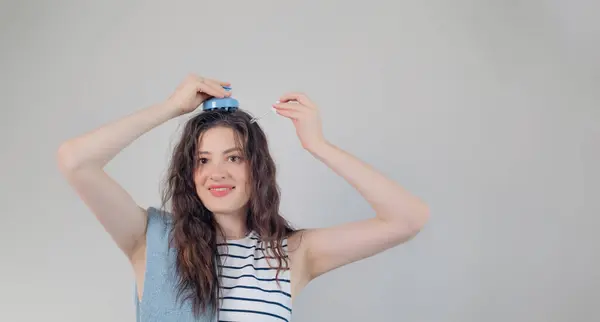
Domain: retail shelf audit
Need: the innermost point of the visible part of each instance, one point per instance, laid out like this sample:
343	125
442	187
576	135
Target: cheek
199	178
242	178
240	174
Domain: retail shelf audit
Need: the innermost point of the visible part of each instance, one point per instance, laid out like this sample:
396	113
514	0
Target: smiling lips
220	190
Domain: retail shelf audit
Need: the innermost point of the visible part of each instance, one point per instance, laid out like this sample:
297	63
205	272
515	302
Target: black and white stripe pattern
249	289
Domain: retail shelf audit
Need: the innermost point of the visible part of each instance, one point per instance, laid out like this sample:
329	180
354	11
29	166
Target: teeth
220	189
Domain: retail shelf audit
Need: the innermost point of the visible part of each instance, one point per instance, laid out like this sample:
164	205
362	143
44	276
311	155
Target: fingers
211	87
293	110
288	112
219	82
194	77
289	106
298	97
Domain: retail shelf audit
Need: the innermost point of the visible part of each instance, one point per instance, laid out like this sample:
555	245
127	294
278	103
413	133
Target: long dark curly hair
195	231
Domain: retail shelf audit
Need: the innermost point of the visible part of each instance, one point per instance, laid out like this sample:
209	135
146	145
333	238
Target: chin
221	209
224	208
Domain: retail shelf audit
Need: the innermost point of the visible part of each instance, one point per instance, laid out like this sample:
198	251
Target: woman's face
222	172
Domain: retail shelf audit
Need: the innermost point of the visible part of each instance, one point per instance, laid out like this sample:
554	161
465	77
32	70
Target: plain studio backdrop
488	110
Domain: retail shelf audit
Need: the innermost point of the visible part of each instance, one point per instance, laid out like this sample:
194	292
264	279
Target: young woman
222	251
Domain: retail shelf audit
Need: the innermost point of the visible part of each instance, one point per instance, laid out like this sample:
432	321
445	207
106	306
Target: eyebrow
224	152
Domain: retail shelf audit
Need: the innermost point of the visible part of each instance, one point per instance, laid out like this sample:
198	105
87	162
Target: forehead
217	139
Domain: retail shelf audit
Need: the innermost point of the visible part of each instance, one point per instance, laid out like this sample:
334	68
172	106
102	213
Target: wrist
319	148
173	109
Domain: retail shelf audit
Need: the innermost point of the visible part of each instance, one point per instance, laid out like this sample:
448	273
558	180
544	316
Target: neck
233	225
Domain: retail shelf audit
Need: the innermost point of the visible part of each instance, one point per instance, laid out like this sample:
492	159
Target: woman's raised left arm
399	215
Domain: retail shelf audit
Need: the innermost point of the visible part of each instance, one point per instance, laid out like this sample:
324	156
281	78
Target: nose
218	172
217	175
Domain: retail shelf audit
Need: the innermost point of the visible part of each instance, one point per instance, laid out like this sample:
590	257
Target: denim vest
159	300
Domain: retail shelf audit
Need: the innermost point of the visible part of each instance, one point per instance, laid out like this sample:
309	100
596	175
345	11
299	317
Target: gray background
486	109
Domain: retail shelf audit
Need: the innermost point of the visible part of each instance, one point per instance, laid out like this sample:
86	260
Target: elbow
411	222
66	158
415	222
421	218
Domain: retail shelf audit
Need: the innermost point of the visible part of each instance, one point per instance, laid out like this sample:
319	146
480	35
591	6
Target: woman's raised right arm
82	159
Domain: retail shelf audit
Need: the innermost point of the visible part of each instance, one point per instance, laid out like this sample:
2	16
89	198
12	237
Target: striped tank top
249	288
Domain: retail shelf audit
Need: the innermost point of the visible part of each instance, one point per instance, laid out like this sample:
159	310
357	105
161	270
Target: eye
202	160
235	158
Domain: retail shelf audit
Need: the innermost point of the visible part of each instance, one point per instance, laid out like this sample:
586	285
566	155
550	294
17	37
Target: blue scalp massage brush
229	104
